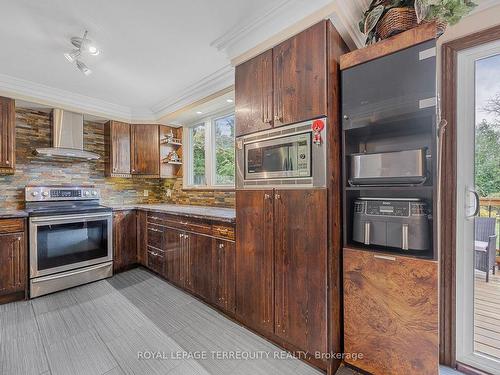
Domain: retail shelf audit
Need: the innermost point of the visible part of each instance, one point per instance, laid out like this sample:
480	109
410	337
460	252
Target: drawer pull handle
385	257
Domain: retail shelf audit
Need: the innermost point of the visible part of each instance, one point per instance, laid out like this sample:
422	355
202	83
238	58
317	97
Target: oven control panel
60	193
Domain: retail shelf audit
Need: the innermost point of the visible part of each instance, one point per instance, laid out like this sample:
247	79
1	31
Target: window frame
210	154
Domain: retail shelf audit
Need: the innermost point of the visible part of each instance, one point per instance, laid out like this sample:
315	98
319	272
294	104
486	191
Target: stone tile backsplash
33	129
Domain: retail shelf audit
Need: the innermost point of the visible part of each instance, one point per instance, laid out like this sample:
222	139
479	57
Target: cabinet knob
277	118
7	162
277	196
267	196
346	117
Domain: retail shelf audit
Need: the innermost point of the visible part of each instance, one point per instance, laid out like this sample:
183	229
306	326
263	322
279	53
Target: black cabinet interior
389	105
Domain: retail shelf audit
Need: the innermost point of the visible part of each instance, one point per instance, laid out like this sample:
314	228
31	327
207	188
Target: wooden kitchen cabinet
142	237
300	270
172	247
300	76
7	135
124	240
145	150
254	94
200	265
284	85
13	260
117	141
391	312
224	275
254	259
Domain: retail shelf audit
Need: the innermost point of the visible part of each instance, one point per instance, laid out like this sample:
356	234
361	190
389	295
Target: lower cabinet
224	274
124	240
391	313
201	263
13	260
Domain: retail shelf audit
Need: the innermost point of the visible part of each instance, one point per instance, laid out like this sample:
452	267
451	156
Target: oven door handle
69	217
70	273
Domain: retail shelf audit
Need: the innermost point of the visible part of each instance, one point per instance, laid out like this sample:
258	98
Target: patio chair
485	242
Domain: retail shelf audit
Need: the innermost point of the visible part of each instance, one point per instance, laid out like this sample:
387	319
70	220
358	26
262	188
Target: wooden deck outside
487	314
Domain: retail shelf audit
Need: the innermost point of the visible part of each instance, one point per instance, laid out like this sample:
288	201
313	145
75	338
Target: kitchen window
210	154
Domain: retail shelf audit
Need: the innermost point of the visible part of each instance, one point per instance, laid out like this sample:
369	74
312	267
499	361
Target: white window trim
210	155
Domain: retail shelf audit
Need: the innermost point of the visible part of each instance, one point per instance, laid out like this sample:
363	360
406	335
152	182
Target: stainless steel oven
62	243
282	156
70	238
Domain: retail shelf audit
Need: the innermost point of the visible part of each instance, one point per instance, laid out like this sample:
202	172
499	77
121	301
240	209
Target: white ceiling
153	51
158	56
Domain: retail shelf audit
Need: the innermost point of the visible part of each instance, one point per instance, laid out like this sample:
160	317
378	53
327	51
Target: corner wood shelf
390	45
172	162
173	143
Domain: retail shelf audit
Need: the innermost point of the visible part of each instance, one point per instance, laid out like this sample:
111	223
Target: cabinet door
156	260
124	240
145	143
224	274
254	259
118	148
300	275
200	265
300	77
12	263
7	133
254	94
173	255
391	313
142	237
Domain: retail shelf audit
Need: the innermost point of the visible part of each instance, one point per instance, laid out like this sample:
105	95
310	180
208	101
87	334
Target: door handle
476	204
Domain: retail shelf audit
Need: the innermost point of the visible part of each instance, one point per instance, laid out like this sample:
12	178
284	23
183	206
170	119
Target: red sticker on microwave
317	127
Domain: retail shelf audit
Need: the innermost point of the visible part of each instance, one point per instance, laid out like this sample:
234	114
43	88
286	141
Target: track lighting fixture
83	45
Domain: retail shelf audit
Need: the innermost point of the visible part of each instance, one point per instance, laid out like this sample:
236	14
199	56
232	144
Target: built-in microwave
290	155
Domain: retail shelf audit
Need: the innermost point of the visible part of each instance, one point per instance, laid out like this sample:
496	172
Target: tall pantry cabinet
288	242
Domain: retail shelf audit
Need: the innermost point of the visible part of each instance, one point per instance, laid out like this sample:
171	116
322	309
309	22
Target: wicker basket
395	21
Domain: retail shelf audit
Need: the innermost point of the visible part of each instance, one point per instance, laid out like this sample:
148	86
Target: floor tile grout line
40	336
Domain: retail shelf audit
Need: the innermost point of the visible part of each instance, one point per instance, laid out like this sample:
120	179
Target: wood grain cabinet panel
300	77
254	94
224	274
200	265
7	135
142	237
300	275
254	259
13	269
172	247
145	153
117	140
391	313
124	240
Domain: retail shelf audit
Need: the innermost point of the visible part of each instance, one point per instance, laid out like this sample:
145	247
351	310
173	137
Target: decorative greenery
448	11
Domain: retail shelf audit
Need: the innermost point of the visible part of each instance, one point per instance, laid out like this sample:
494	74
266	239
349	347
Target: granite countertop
9	214
202	212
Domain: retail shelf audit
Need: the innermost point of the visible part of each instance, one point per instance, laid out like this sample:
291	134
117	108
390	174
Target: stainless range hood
67	137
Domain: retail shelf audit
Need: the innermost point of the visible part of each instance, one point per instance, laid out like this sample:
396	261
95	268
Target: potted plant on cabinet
385	18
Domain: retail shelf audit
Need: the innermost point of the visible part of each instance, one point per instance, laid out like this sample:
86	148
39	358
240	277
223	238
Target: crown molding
239	31
217	81
346	19
21	89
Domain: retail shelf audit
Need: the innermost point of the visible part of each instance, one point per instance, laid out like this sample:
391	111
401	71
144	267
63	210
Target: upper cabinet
145	156
7	135
284	85
117	135
299	75
254	94
132	150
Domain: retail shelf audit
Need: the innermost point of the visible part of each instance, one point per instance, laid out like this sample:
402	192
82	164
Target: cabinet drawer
223	231
11	225
155	235
181	222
